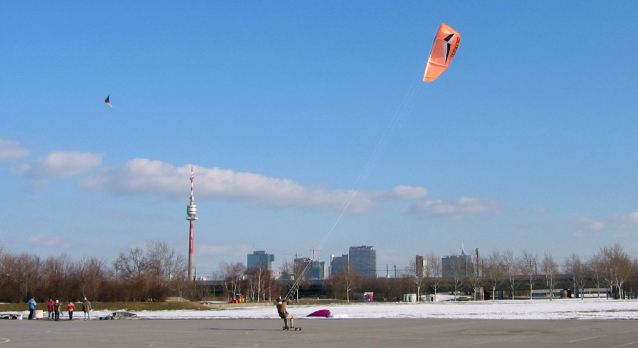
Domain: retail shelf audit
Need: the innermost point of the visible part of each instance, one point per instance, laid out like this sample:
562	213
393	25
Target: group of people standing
54	309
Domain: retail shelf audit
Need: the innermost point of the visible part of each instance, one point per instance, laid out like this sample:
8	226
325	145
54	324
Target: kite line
403	111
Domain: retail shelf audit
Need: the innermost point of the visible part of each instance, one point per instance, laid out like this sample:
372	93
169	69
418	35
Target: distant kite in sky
107	101
446	42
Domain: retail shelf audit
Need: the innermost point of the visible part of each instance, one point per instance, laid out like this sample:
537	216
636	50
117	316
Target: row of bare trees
156	271
610	268
258	284
149	273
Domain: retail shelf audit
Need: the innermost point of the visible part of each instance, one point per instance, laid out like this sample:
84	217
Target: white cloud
10	150
41	239
454	209
143	176
589	223
404	193
60	164
212	249
620	225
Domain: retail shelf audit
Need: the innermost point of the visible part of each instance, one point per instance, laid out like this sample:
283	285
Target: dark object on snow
119	315
10	316
123	315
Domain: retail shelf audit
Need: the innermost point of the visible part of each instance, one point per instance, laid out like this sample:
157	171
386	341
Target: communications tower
191	216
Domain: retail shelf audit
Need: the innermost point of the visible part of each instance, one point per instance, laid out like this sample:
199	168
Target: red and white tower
191	216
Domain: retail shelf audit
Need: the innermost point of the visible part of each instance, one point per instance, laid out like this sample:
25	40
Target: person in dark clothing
56	309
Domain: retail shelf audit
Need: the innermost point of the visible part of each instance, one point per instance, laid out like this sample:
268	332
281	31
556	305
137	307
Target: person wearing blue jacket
31	304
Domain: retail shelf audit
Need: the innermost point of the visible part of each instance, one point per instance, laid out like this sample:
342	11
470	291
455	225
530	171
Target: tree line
611	268
149	273
156	271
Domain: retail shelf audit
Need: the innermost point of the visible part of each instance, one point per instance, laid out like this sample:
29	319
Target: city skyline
308	126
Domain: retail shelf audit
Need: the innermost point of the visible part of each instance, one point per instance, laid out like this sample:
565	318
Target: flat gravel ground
350	333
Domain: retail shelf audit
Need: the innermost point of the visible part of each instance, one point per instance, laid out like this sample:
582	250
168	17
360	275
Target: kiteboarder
283	313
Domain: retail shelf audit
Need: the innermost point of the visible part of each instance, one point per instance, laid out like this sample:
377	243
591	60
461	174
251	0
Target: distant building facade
338	264
363	260
421	265
260	257
314	269
460	266
317	270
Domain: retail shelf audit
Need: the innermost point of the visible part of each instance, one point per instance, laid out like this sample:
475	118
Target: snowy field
506	309
520	309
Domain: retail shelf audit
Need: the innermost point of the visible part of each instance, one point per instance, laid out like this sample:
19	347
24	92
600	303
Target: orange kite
446	42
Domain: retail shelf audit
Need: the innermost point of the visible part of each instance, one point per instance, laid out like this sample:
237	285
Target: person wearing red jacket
51	309
69	308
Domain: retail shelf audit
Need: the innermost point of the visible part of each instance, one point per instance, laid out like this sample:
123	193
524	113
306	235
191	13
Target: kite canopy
446	42
107	101
320	313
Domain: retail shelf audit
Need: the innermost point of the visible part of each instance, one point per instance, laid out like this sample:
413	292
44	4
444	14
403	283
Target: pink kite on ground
320	313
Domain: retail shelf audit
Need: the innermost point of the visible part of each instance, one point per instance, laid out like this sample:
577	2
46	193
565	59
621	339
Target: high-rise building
314	269
460	266
363	260
421	265
338	264
317	270
260	257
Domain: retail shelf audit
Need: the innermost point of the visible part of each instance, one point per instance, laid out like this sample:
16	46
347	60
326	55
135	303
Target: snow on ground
525	309
505	309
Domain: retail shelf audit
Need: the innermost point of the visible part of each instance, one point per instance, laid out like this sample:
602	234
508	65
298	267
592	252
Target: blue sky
291	111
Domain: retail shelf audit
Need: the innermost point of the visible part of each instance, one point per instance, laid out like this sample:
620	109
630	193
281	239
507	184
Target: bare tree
168	266
618	267
417	276
350	280
131	265
164	262
25	273
347	279
55	276
257	281
578	271
529	268
435	271
597	267
512	270
232	275
474	280
333	283
550	269
291	271
300	271
494	270
143	272
88	274
458	275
